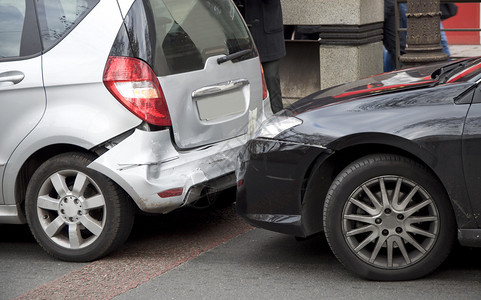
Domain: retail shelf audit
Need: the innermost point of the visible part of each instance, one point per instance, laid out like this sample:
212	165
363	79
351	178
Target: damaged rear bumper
160	178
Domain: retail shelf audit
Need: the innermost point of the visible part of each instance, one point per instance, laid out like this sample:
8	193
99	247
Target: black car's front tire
387	217
76	213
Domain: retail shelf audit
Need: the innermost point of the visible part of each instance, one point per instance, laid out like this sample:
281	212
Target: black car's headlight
275	125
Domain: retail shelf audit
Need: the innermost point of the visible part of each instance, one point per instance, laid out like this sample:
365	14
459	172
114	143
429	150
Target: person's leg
273	82
388	64
444	41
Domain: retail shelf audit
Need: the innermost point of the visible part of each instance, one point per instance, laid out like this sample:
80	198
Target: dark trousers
273	82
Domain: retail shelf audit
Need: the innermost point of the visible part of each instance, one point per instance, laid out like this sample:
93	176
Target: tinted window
178	36
58	17
12	15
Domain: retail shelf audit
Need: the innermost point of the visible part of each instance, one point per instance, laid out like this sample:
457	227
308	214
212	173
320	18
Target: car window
57	17
12	15
179	36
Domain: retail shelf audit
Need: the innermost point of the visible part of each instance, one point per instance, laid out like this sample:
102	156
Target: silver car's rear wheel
75	213
388	218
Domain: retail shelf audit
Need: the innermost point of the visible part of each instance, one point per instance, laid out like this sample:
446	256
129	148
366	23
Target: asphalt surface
265	265
214	254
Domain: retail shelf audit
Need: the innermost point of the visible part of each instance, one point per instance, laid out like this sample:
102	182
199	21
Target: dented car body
112	104
388	167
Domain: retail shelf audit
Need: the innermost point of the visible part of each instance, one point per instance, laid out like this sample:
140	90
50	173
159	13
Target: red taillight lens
135	85
265	93
171	193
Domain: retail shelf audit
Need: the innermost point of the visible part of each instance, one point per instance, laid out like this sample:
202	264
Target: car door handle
219	88
11	77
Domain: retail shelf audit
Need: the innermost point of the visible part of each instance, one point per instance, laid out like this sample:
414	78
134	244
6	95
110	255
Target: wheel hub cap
70	209
390	222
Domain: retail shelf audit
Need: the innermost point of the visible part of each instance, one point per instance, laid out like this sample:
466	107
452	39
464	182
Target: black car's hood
414	78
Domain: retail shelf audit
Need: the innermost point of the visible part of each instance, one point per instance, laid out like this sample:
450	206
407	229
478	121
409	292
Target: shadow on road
16	234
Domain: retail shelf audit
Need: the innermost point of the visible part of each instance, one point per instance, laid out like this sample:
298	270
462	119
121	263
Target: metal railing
400	29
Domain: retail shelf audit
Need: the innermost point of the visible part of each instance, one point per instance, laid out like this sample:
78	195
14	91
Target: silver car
111	104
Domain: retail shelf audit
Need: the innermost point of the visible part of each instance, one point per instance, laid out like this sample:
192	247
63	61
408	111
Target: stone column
423	33
350	45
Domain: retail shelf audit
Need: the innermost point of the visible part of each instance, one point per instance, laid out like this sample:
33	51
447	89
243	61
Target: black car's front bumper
271	181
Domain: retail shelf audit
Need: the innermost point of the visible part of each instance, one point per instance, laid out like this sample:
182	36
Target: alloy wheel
390	222
71	209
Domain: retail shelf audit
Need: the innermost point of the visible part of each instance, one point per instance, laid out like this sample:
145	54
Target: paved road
214	255
264	265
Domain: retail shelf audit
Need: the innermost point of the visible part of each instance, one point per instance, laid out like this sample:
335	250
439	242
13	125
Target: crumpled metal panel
146	163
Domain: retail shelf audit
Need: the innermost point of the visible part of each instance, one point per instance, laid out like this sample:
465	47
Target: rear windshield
177	36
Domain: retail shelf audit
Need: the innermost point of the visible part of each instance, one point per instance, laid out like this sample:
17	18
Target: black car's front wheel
386	217
76	213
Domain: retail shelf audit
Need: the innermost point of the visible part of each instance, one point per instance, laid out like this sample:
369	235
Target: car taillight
265	93
134	84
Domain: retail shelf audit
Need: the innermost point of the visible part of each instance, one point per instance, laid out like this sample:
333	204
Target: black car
389	167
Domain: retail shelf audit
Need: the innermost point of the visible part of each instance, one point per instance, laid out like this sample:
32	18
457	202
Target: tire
75	213
403	235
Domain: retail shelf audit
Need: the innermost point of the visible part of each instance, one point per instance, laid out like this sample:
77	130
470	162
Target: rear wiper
445	72
232	56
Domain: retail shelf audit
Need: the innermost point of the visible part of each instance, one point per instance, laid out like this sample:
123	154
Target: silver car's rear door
214	101
22	96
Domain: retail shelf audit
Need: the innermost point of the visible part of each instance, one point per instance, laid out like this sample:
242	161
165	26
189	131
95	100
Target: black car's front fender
271	176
